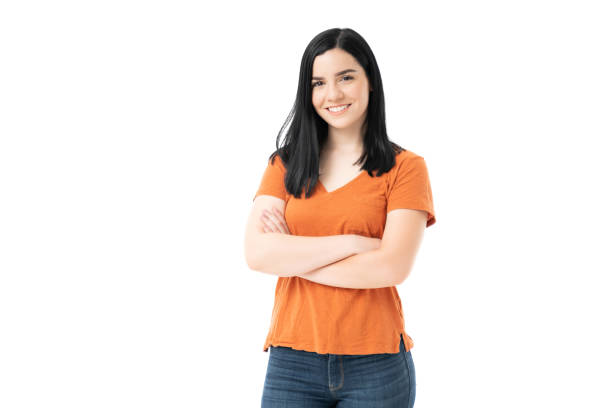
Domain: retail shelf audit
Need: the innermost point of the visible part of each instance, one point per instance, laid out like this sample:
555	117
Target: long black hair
307	131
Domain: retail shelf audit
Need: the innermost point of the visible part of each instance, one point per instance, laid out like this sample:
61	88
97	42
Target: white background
133	136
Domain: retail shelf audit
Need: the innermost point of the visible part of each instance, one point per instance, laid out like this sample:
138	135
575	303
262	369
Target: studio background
134	135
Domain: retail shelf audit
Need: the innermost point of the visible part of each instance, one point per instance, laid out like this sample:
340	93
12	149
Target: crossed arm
366	270
388	265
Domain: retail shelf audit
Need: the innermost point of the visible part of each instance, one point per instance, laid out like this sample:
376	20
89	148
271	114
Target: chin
341	125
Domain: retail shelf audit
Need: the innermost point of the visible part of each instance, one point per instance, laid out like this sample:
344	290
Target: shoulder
407	159
275	160
407	155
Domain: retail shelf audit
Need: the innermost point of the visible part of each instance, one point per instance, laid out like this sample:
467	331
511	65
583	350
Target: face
338	79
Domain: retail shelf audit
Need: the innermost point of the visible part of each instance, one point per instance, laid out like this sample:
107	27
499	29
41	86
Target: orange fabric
327	319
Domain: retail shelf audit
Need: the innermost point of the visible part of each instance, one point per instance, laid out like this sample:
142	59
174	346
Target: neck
347	140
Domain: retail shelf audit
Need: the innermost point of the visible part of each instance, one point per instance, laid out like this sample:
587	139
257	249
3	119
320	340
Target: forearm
291	255
366	270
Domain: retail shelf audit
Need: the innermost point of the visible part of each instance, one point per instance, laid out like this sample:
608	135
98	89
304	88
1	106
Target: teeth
338	109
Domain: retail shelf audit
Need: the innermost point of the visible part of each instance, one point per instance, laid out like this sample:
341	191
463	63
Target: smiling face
339	81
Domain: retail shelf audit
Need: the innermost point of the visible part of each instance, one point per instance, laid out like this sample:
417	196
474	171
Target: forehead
332	61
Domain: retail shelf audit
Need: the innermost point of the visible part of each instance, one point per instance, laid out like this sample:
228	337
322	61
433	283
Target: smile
338	109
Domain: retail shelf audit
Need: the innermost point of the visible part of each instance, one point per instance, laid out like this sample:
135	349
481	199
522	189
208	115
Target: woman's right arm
287	255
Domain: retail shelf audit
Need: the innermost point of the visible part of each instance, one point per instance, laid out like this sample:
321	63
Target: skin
345	132
274	221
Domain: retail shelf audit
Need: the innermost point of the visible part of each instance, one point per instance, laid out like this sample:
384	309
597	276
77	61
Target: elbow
399	273
400	279
257	260
252	255
251	263
253	260
254	264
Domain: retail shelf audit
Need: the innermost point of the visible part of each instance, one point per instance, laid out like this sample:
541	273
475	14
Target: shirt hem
312	348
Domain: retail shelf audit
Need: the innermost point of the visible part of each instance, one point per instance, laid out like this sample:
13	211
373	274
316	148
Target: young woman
339	217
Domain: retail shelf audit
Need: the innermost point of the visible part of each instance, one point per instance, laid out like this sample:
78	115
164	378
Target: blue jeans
297	378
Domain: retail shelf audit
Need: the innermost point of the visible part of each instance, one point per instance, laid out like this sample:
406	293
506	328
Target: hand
274	221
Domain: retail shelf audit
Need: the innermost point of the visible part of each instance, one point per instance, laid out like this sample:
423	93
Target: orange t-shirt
332	320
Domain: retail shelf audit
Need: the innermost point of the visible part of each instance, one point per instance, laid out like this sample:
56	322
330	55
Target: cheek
316	99
365	92
364	97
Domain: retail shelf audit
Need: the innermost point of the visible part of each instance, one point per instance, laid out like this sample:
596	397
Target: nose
334	93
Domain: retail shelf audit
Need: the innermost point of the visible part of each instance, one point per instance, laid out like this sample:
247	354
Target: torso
336	170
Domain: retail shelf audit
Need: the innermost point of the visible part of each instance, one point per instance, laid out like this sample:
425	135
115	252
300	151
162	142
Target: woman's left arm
366	270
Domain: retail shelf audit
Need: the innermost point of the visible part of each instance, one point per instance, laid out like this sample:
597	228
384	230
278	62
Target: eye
347	77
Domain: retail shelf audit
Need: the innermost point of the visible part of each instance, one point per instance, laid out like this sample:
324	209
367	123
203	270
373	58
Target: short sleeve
273	180
410	187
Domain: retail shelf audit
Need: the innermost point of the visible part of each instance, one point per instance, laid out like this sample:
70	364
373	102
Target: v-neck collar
346	185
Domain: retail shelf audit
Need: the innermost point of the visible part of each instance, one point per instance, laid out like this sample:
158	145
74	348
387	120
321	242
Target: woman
339	237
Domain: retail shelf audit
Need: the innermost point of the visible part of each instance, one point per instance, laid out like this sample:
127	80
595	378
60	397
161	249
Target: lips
347	105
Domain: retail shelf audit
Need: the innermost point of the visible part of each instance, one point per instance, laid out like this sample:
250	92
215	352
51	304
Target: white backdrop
133	136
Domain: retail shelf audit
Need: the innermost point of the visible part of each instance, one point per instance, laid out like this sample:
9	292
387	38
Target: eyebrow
338	73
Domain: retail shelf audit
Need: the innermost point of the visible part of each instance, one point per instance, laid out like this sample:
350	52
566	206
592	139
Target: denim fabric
297	378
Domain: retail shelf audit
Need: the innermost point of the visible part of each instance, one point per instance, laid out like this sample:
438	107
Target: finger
285	227
283	221
268	228
273	221
269	223
282	225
